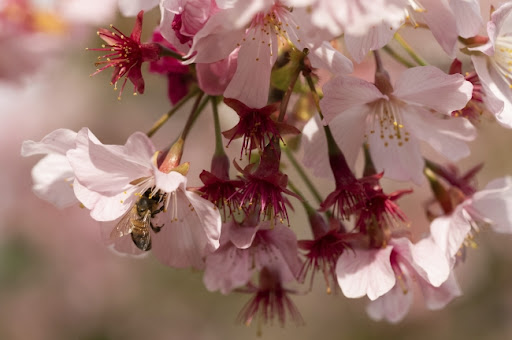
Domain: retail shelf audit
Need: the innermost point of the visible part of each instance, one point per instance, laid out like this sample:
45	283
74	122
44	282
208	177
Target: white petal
365	272
449	232
430	261
53	181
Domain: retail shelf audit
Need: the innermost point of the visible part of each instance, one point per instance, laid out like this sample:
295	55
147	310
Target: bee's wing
124	226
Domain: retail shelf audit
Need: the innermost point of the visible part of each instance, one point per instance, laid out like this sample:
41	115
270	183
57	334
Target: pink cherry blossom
385	274
126	55
256	30
245	249
491	206
182	19
111	179
53	177
493	65
392	123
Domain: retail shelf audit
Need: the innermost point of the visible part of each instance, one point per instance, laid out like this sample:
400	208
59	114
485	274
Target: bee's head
143	205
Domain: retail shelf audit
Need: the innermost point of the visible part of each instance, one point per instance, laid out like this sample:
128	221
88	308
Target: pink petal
498	92
377	37
467	17
227	268
441	21
216	40
325	56
365	272
430	87
438	297
430	261
105	207
315	148
446	136
278	251
392	306
214	78
183	242
251	81
449	232
344	93
495	204
399	162
241	236
110	168
209	218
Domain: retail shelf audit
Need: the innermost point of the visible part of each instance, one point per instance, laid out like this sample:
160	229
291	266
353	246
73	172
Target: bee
137	221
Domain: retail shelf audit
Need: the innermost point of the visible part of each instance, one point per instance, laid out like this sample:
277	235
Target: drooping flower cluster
267	58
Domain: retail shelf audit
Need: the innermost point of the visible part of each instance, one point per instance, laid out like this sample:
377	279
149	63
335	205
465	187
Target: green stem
303	174
196	110
409	50
160	122
397	57
219	147
288	93
316	97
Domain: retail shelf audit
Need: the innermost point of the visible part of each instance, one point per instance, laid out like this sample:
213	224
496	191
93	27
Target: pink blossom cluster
279	65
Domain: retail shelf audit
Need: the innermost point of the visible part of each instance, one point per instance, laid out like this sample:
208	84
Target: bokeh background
58	281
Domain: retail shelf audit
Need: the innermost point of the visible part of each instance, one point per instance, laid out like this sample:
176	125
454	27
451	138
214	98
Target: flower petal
430	87
377	36
343	93
446	136
53	181
227	268
58	141
365	272
467	17
251	82
495	204
392	306
449	232
327	57
402	162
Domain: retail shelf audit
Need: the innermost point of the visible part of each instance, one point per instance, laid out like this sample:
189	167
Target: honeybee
137	221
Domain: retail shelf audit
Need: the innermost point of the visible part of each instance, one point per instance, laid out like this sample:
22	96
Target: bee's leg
159	210
157	228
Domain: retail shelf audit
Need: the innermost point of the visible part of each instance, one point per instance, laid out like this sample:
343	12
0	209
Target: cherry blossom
392	121
247	248
385	274
127	55
257	31
491	206
111	179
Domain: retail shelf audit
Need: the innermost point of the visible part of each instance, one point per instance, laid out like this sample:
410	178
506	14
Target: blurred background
58	281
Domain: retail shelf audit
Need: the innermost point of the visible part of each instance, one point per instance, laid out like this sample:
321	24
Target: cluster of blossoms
258	57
